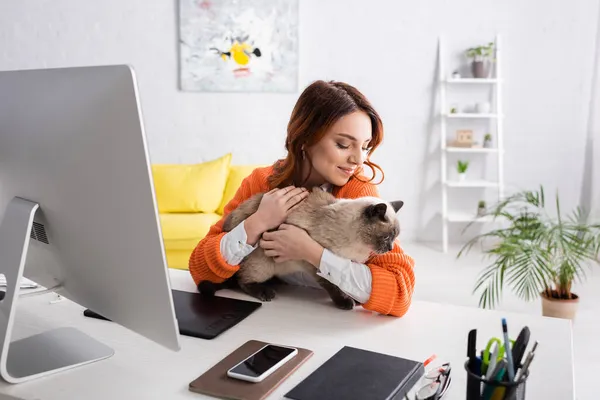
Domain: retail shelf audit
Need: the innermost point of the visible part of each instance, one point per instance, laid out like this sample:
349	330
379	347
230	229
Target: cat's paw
266	293
207	288
259	290
344	302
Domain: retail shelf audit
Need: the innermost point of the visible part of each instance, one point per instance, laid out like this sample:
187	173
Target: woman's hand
291	243
272	211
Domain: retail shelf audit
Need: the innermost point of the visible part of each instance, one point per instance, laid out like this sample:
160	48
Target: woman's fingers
284	191
269	235
295	206
296	200
291	194
267	244
271	253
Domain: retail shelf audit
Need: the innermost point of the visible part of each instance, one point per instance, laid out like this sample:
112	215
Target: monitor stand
48	352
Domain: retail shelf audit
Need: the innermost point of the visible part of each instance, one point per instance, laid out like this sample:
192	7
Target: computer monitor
79	213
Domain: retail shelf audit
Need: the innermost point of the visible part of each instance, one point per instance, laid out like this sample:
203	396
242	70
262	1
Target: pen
528	360
507	350
525	368
491	387
430	359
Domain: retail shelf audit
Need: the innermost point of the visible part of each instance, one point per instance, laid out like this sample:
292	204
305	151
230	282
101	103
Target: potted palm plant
536	254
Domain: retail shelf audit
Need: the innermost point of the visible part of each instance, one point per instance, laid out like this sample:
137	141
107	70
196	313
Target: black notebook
204	317
355	374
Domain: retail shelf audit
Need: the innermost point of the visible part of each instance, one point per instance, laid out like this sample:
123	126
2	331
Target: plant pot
479	69
462	176
481	211
487	144
559	308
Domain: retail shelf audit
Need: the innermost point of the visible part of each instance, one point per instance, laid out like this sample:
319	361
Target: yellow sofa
191	198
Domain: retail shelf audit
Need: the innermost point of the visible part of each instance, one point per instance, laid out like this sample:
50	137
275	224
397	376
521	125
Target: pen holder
479	388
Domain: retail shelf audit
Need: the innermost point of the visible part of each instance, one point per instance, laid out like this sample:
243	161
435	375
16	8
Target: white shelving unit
494	117
470	115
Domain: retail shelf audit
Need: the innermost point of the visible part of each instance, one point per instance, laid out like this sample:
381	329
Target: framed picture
238	46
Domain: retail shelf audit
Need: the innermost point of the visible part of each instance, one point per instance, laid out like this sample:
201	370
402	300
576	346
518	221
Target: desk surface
301	317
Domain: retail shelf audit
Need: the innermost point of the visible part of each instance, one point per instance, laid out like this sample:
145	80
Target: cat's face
378	225
374	221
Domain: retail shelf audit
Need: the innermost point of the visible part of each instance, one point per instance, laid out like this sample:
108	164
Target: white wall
386	48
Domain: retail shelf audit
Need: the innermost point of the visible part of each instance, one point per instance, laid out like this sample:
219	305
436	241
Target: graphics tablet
204	317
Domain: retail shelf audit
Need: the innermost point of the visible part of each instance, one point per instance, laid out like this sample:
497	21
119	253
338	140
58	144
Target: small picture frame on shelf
464	138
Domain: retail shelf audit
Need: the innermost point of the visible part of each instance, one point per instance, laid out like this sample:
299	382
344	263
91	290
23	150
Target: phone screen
262	361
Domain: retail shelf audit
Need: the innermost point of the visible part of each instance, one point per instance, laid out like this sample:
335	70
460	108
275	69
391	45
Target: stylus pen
528	360
507	351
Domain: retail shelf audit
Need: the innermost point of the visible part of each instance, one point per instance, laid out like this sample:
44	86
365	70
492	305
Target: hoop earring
303	155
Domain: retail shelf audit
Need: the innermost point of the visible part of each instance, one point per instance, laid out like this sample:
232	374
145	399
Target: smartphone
262	363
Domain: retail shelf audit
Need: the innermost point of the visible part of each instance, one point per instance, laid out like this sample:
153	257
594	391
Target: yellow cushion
182	231
237	173
188	188
178	259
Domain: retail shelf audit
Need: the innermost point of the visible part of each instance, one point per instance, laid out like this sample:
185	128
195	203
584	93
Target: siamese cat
351	228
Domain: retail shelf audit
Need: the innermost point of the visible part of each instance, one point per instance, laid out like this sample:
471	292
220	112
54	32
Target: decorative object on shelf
481	56
454	109
464	138
456	75
231	46
536	253
487	141
481	208
461	167
483	107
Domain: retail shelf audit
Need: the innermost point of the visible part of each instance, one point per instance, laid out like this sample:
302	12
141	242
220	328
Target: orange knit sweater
393	277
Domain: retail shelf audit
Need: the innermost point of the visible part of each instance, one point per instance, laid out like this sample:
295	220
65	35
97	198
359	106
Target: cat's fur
350	228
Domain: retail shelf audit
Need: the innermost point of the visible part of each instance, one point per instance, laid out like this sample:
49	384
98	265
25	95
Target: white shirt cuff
352	278
234	245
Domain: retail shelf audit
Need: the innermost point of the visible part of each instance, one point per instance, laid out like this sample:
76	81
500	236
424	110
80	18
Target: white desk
300	317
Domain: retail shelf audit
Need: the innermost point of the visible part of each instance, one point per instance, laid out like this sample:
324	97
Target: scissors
494	351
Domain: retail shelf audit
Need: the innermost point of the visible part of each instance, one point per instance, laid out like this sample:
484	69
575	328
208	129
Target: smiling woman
331	135
332	131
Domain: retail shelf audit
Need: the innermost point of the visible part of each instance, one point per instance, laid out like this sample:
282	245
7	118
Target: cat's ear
376	211
397	205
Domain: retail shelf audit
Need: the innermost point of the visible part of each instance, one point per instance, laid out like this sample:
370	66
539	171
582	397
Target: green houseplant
481	208
481	57
536	254
487	140
461	168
